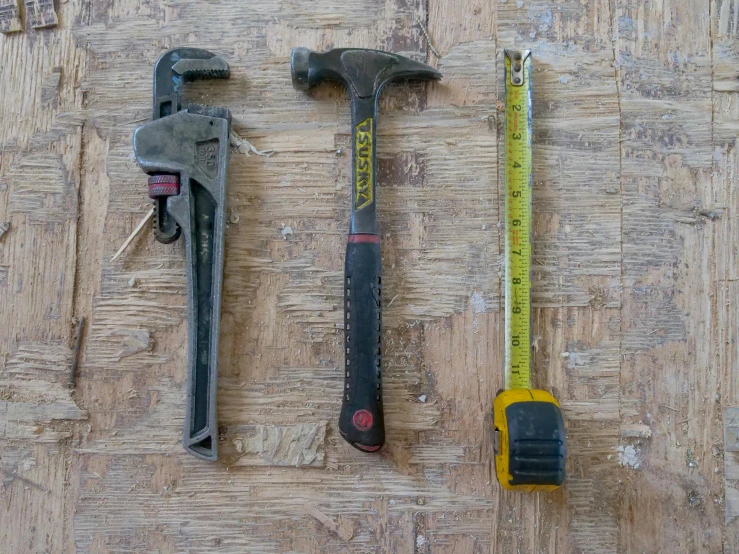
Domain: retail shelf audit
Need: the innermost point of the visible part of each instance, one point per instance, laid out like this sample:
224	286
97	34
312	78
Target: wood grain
635	277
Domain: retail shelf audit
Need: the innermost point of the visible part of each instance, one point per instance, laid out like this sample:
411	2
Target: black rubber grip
536	444
361	421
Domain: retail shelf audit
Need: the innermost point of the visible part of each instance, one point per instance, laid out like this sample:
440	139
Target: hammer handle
361	421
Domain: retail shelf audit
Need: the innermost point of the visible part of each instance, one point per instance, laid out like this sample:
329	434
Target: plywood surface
636	276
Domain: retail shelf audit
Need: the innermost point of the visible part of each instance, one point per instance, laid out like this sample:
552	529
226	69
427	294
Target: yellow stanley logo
363	160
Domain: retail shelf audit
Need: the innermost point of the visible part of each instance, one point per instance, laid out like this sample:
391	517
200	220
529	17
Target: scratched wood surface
636	276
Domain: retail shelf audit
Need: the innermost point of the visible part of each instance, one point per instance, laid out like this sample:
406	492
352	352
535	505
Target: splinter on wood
428	38
132	236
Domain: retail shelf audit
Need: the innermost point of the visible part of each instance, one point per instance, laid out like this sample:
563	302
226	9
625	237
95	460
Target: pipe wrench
185	151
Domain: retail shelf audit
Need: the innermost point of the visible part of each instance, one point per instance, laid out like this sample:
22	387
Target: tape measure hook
517	59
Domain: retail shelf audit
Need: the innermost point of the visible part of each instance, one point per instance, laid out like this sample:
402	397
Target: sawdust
690	459
628	456
479	306
694	499
599	297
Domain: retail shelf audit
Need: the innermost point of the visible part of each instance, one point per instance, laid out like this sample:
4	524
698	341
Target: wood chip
135	341
245	147
344	531
10	16
41	13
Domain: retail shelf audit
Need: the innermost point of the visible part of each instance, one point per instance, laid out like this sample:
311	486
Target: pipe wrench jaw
173	69
178	66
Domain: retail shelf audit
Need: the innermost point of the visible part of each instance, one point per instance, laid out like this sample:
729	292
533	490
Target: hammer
364	73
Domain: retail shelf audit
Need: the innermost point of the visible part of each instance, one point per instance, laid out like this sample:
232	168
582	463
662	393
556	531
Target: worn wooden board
10	16
41	13
636	265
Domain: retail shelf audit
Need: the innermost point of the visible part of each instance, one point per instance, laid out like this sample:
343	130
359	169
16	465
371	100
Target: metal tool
529	428
186	152
364	73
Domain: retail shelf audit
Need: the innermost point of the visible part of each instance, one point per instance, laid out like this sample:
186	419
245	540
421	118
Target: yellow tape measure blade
518	220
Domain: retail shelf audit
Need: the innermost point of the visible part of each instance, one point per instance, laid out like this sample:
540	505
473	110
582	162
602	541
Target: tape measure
529	428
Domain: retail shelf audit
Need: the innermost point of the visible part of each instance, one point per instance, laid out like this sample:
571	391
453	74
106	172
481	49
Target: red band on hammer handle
364	238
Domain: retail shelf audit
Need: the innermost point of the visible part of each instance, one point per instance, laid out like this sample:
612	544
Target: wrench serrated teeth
211	68
210	74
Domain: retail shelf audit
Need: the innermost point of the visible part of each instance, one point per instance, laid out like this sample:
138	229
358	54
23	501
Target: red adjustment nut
163	185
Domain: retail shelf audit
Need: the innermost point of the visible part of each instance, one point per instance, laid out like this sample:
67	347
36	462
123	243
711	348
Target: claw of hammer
363	71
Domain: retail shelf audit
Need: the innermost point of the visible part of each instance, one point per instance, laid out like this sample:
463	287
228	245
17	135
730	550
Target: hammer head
363	71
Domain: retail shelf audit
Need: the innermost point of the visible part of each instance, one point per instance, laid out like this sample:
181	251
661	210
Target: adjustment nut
163	185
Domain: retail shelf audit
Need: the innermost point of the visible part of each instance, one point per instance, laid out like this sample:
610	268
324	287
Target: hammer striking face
364	73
